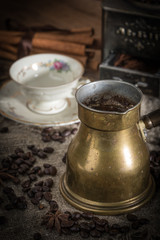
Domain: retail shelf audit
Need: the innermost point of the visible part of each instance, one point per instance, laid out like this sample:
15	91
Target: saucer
13	106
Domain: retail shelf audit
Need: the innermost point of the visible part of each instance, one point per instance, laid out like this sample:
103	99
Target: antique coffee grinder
131	43
107	168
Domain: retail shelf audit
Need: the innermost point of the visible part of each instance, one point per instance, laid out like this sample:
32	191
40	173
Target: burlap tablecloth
23	224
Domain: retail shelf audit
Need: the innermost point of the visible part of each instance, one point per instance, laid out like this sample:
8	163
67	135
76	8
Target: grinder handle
152	119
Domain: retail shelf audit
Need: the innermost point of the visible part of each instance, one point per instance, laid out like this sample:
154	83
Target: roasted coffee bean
113	231
46	138
34	201
37	189
37	236
53	206
92	224
66	133
75	228
62	140
30	147
124	229
4	130
40	183
84	234
26	189
56	136
41	154
53	170
76	216
63	217
136	225
33	177
74	130
3	220
30	194
14	166
47	196
46	171
45	189
101	222
95	233
48	150
132	217
32	159
26	184
84	226
107	228
19	150
40	173
66	231
140	235
70	215
87	215
38	196
143	221
48	182
100	228
67	223
64	158
46	165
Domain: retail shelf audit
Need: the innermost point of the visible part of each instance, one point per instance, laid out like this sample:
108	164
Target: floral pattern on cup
58	65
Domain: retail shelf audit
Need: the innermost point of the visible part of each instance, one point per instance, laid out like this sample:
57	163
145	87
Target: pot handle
152	119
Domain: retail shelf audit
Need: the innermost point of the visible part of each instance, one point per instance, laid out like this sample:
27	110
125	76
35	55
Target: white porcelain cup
47	81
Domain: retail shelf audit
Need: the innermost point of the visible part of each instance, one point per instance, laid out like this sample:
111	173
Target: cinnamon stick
67	47
82	59
8	47
83	38
10	39
7	55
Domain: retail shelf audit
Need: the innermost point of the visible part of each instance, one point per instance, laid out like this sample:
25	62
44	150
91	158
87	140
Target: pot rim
106	81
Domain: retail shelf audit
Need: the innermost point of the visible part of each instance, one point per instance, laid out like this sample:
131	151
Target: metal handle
152	119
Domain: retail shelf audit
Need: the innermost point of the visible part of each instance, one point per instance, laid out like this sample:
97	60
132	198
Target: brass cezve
108	169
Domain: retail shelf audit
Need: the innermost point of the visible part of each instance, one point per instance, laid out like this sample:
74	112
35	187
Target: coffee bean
48	182
75	228
74	130
9	207
45	189
34	201
132	217
64	158
95	233
40	173
100	222
84	226
113	231
52	171
66	133
30	147
40	183
46	138
41	154
87	215
100	228
37	236
92	224
84	234
48	150
67	223
47	196
26	184
66	231
46	165
38	196
33	177
53	206
56	136
124	229
76	216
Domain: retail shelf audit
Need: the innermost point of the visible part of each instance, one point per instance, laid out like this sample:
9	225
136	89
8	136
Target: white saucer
13	106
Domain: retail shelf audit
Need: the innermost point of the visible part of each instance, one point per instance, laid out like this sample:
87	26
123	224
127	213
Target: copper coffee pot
108	169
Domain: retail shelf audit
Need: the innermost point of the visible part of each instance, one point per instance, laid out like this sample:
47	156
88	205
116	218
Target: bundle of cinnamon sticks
77	43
